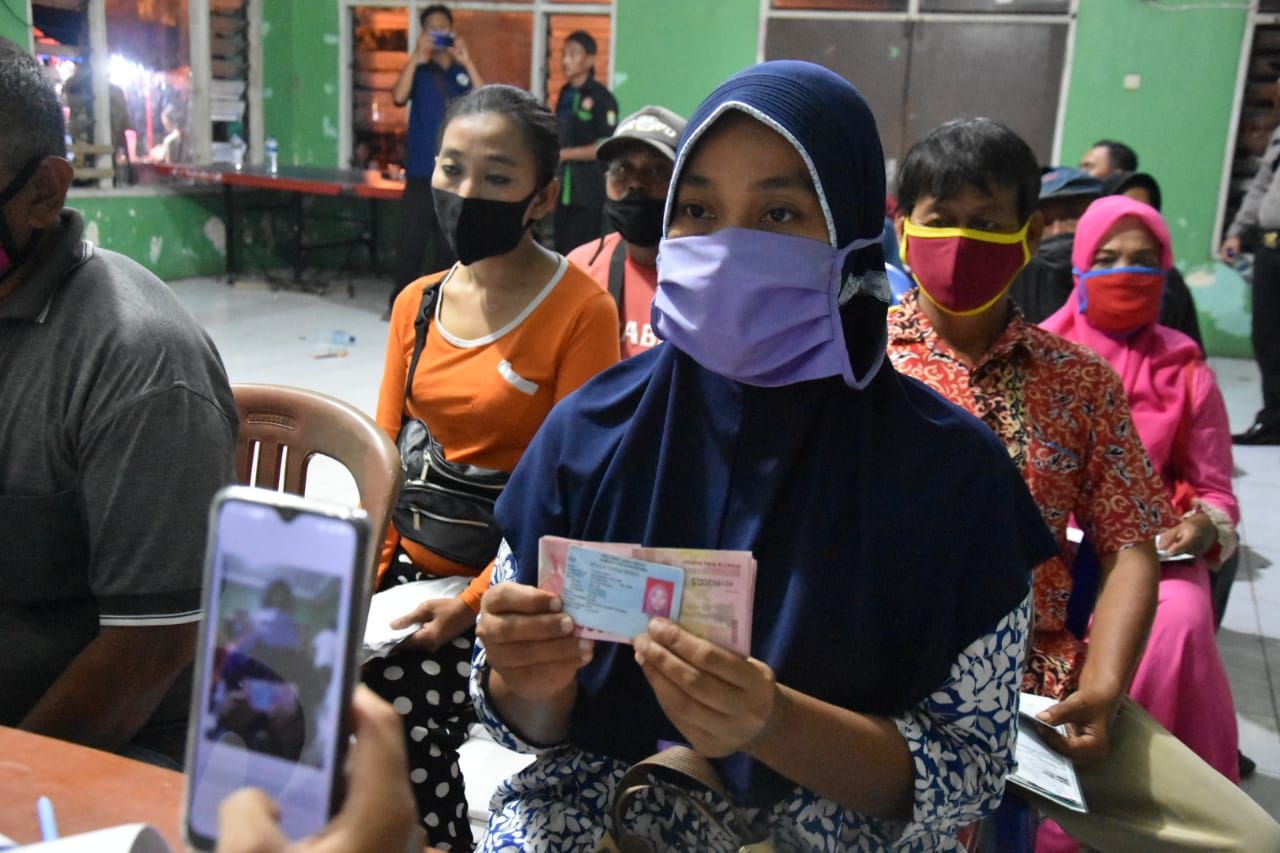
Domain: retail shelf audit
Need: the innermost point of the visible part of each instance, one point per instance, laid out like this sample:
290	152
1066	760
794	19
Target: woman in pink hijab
1122	252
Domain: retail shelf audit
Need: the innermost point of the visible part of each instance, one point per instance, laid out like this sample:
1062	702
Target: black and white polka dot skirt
430	693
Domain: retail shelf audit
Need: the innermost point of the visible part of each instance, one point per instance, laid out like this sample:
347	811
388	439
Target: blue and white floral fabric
961	739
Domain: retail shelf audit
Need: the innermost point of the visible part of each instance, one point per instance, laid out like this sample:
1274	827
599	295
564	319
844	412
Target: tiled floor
276	336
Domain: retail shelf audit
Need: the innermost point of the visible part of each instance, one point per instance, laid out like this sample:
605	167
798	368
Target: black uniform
586	114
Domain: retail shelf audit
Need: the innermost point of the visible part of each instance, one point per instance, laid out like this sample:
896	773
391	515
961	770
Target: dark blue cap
1067	181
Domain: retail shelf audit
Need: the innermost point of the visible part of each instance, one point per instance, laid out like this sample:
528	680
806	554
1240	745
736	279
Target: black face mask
11	255
638	218
479	228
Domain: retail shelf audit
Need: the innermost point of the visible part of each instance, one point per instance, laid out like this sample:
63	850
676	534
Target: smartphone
285	588
441	40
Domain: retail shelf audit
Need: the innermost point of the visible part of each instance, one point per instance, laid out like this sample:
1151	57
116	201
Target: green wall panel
14	18
674	52
176	235
1179	122
300	79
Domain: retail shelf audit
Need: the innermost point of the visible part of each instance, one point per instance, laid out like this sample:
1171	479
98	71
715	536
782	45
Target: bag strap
686	769
618	273
425	310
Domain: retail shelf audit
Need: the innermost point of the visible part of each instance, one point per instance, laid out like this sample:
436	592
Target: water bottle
237	152
273	155
330	343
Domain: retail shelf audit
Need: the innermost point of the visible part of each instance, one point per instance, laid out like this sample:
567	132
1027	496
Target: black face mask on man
11	254
479	228
638	218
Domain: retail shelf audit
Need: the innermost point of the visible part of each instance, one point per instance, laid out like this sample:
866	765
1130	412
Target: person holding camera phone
376	817
479	355
439	71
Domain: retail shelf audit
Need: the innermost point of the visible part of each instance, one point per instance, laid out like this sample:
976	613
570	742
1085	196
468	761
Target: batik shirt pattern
1062	413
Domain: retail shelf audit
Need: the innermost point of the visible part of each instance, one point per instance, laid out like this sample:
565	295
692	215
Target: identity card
618	594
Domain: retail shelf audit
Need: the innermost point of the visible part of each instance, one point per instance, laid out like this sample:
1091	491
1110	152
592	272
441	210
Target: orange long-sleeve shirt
484	399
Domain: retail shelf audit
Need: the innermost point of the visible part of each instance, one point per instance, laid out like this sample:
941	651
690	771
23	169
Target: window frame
913	14
201	127
539	9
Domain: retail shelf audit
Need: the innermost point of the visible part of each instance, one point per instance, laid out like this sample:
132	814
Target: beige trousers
1153	793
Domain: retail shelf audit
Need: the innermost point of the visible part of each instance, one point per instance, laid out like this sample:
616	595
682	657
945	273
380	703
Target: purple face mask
758	307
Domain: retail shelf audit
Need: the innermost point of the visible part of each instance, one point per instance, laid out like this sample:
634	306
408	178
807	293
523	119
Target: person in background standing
588	113
439	70
1258	221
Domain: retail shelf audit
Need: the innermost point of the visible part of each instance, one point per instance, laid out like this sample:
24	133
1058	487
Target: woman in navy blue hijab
894	537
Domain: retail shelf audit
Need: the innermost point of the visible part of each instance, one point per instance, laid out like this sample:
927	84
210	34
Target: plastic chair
282	428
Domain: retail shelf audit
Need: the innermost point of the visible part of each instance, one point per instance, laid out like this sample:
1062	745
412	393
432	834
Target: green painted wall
300	84
1178	121
175	235
15	17
656	39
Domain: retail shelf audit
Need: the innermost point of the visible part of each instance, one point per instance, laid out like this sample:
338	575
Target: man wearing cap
638	160
1044	285
1258	222
587	113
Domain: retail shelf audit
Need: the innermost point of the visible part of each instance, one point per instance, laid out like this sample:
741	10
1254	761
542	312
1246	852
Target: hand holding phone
284	598
379	815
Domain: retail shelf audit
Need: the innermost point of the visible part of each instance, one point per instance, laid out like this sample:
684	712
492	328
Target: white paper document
1039	768
379	637
130	838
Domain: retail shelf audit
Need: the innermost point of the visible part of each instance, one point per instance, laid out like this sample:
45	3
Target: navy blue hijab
890	527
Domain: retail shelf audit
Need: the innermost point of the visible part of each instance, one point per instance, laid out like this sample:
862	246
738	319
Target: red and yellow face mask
962	270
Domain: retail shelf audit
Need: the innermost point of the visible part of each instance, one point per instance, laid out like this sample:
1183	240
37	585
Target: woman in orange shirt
515	329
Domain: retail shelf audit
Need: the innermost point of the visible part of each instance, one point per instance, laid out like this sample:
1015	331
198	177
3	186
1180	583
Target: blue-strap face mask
11	254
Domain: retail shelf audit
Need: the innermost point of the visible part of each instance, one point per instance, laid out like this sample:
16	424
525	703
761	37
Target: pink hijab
1154	361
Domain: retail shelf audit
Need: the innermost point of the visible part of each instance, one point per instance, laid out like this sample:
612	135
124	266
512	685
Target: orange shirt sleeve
593	345
477	588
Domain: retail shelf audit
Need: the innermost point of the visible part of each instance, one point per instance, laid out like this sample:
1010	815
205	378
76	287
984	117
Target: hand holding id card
612	590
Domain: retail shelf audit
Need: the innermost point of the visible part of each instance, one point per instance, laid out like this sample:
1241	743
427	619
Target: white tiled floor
263	336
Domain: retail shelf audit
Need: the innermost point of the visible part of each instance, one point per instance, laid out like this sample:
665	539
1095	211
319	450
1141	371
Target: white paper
379	637
1039	768
130	838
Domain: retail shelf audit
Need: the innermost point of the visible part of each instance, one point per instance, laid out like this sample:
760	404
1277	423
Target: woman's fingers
420	615
702	684
537	654
519	598
249	822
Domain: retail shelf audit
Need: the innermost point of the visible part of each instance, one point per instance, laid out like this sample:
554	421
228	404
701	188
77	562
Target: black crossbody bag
445	507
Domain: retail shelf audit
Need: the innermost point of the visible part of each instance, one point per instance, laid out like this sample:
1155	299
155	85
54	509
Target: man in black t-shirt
587	113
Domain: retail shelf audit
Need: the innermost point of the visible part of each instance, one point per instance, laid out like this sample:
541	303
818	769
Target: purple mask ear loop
836	284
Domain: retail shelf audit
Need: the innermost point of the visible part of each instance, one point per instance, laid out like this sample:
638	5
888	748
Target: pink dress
1182	420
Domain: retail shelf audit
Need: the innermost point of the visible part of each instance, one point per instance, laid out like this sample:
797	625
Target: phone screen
272	664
